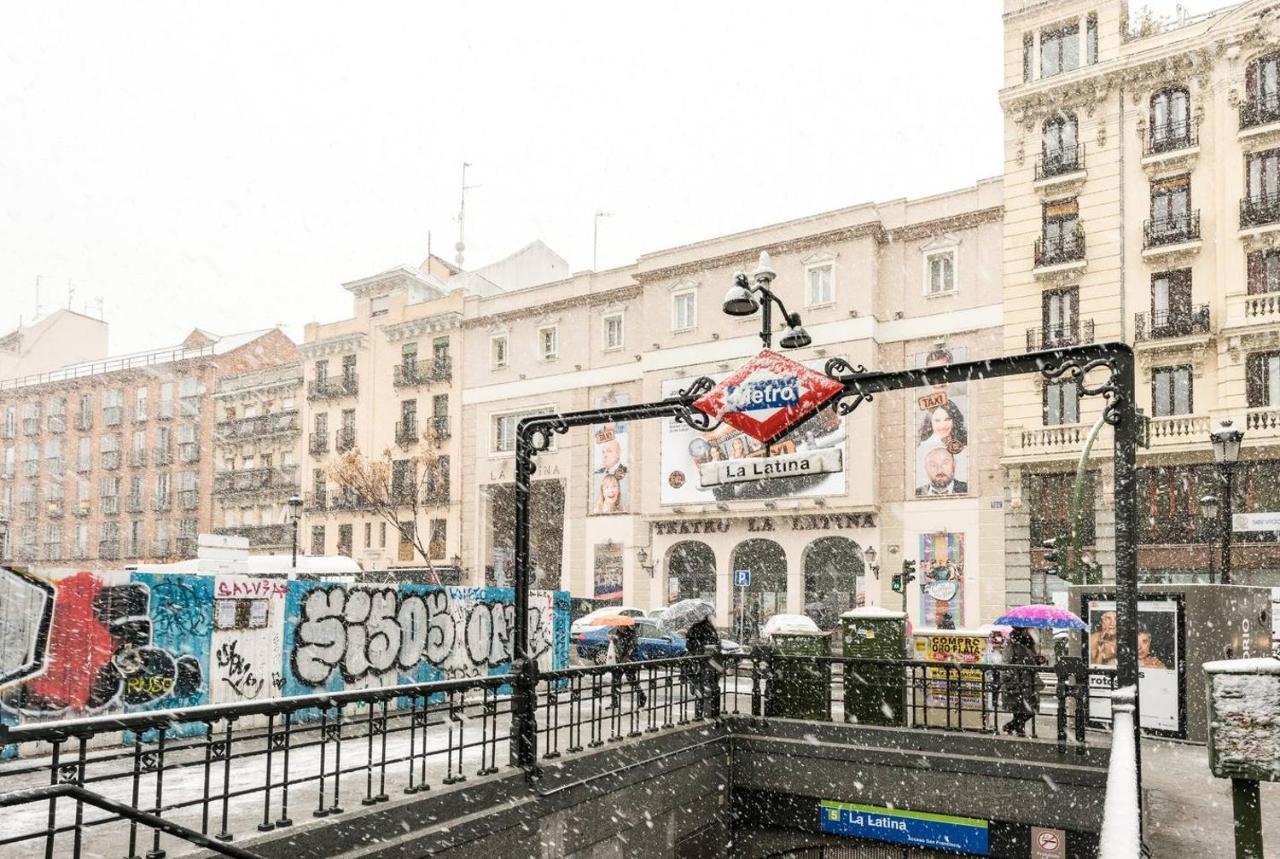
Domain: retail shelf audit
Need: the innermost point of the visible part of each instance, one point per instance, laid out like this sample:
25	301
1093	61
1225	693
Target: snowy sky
227	165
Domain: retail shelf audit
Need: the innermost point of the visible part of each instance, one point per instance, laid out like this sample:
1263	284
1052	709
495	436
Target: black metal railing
318	443
344	439
250	480
412	373
440	428
1056	336
406	432
260	426
316	501
1170	137
331	389
1059	162
260	535
1258	209
1168	323
1171	231
1260	110
1065	247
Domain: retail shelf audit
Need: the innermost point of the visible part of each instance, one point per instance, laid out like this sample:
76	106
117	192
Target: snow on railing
1122	814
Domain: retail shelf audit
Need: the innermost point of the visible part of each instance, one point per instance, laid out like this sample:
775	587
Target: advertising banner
938	419
942	579
685	450
607	571
917	828
1158	658
953	648
610	462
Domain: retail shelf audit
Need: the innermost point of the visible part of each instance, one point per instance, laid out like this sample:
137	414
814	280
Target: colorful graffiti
90	643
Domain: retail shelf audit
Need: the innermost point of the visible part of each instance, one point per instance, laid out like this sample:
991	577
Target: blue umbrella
1041	616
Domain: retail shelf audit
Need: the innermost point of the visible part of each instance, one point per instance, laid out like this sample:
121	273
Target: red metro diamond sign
768	395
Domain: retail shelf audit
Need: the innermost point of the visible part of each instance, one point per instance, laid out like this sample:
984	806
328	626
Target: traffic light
1053	558
897	583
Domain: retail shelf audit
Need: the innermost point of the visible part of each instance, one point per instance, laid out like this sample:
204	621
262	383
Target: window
407	531
684	310
1171	314
1049	498
321	423
498	351
1062	239
380	305
440	351
1059	315
613	331
402	483
368	535
503	429
549	342
1262	379
165	410
322	370
1263	272
437	545
317	539
1059	50
821	284
344	540
1028	55
1170	128
440	405
1263	176
940	272
349	371
1058	140
1262	91
382	535
140	404
1091	39
1170	206
1062	402
1171	391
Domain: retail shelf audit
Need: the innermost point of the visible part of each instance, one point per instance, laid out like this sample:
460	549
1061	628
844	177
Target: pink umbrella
1040	616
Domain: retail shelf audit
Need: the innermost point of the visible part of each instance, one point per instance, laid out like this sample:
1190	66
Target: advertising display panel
1159	661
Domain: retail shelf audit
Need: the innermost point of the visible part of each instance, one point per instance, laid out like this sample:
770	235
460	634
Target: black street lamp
1209	512
1226	452
744	299
869	555
295	515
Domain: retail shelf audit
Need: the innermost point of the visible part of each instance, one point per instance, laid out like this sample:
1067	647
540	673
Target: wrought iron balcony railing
1057	336
316	501
261	536
162	503
332	389
84	421
1170	137
1171	231
1058	249
344	439
31	426
412	373
252	480
318	443
1260	110
163	455
1165	323
1059	162
406	432
1256	210
260	426
109	549
138	458
440	428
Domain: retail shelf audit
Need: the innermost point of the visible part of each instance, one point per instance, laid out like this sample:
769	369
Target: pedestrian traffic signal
897	583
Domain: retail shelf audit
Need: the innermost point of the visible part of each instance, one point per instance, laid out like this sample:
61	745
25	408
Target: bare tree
397	488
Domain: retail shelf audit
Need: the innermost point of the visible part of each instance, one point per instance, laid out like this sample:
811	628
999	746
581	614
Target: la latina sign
825	461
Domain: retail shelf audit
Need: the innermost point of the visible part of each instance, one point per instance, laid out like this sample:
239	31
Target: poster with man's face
610	462
1157	660
938	420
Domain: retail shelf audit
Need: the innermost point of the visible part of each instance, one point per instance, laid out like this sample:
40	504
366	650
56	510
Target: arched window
1060	150
832	566
1261	92
691	571
767	594
1170	120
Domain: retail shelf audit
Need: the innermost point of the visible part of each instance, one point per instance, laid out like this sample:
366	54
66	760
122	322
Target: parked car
584	624
651	642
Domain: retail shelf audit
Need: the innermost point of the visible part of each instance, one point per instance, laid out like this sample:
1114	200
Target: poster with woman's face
938	420
1157	660
610	462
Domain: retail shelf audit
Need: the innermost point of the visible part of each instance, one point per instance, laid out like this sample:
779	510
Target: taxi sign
768	396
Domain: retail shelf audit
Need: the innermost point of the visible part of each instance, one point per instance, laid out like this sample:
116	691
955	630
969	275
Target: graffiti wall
88	643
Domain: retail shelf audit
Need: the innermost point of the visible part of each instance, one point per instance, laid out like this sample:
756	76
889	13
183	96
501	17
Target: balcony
111	459
327	389
160	547
1171	235
140	414
344	439
1168	139
1167	324
84	463
31	426
1060	165
109	549
134	504
1045	441
1062	251
1259	111
253	480
186	547
406	433
188	452
260	426
1060	336
436	495
347	501
1261	309
1259	210
84	421
163	454
82	509
440	424
57	423
162	504
109	505
261	536
414	373
189	499
318	443
112	415
54	508
1179	429
8	431
31	468
138	458
55	466
317	501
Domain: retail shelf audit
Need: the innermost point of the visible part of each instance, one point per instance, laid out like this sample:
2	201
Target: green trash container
799	689
874	694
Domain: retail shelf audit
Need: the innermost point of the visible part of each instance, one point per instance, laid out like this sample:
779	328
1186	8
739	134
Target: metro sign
768	395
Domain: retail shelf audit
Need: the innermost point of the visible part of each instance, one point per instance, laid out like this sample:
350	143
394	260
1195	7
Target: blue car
651	643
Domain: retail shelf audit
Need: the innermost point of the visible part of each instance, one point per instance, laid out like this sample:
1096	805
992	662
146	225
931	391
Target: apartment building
618	510
54	340
109	462
1142	159
258	454
383	384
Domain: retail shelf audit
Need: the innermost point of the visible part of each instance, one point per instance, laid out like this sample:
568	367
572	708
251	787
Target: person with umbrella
696	614
623	646
1020	689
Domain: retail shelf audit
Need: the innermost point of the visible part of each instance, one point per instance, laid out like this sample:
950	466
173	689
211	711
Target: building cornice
611	296
356	340
949	224
433	324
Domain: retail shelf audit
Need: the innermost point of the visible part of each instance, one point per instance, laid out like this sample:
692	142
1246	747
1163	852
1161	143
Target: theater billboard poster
610	462
1159	658
938	421
685	449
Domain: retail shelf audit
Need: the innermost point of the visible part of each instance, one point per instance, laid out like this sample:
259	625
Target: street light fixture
869	555
295	515
1226	452
1209	511
744	299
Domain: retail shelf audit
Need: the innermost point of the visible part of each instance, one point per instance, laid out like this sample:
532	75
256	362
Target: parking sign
742	578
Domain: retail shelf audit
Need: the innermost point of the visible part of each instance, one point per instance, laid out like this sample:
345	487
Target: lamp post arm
767	298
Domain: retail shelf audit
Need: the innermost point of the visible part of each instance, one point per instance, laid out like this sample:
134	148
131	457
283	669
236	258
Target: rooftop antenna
461	246
71	293
37	316
98	301
595	236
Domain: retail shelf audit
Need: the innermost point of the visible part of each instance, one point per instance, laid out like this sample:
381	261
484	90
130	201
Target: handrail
1121	836
80	794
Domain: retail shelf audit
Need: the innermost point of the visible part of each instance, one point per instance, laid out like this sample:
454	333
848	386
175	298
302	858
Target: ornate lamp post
744	299
1209	512
869	555
1226	452
295	516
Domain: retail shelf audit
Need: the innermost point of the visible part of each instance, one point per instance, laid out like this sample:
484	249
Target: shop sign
825	461
917	828
768	396
1255	522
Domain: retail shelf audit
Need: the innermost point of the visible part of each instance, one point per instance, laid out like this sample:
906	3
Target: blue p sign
742	578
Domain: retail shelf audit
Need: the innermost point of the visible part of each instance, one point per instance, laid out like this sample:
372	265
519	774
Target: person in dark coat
624	655
702	634
1019	689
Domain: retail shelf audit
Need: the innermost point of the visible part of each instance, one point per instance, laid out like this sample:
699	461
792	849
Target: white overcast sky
228	165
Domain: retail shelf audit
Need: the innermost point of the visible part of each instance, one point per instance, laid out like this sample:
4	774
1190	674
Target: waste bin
874	694
799	688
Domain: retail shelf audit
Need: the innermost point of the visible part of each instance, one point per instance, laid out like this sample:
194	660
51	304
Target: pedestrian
624	656
1020	687
702	634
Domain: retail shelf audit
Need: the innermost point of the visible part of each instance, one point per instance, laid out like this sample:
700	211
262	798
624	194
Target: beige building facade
50	342
1140	193
618	511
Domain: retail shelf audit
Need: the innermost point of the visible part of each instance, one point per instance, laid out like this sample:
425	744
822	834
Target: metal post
766	319
1225	520
523	703
1126	538
1246	805
295	541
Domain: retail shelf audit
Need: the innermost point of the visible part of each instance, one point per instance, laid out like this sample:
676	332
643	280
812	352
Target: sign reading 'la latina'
768	395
